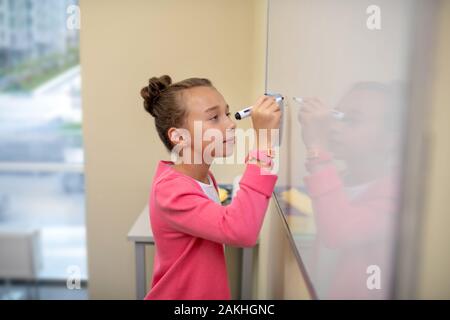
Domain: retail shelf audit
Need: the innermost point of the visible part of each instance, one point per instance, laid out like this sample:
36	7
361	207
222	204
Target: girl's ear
175	136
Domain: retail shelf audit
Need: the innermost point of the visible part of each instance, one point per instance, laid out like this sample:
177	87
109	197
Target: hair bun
152	92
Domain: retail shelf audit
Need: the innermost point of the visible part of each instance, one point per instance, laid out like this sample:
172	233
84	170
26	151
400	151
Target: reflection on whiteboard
345	87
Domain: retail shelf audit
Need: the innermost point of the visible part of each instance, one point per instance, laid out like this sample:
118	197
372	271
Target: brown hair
164	102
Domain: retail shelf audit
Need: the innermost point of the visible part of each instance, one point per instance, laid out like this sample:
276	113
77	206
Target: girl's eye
228	114
214	118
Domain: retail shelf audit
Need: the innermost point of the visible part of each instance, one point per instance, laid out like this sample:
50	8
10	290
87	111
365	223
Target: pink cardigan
190	231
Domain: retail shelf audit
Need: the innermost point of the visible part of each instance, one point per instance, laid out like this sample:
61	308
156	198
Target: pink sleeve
343	222
189	210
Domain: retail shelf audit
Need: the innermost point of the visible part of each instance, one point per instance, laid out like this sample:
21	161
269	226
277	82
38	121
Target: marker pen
339	115
244	113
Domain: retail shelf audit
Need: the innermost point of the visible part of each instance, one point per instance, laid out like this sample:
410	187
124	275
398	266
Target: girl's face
209	123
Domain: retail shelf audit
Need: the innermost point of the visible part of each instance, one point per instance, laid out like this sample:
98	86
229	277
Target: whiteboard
342	208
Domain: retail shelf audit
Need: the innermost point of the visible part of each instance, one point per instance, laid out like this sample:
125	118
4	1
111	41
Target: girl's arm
190	211
342	222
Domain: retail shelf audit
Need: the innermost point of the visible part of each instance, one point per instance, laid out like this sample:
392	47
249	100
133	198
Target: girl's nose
232	125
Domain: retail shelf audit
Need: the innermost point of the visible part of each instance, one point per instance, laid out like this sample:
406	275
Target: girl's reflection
354	207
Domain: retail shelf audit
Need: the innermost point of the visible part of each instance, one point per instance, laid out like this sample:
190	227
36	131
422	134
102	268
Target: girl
189	224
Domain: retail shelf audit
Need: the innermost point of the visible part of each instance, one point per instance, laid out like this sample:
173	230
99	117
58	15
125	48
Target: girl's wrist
262	158
317	158
259	163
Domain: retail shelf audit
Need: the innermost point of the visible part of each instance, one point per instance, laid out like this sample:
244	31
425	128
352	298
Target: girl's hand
314	117
266	116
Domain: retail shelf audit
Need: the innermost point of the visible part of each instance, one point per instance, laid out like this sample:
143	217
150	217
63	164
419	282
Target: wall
123	44
434	280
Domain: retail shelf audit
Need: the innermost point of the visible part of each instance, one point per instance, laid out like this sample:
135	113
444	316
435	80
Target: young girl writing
189	224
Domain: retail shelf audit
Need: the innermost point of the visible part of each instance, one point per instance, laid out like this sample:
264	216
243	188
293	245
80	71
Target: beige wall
123	43
434	277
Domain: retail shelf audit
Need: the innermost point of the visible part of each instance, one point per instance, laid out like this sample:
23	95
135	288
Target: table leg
247	274
140	271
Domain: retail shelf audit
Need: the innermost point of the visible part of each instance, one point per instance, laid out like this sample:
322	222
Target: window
41	145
